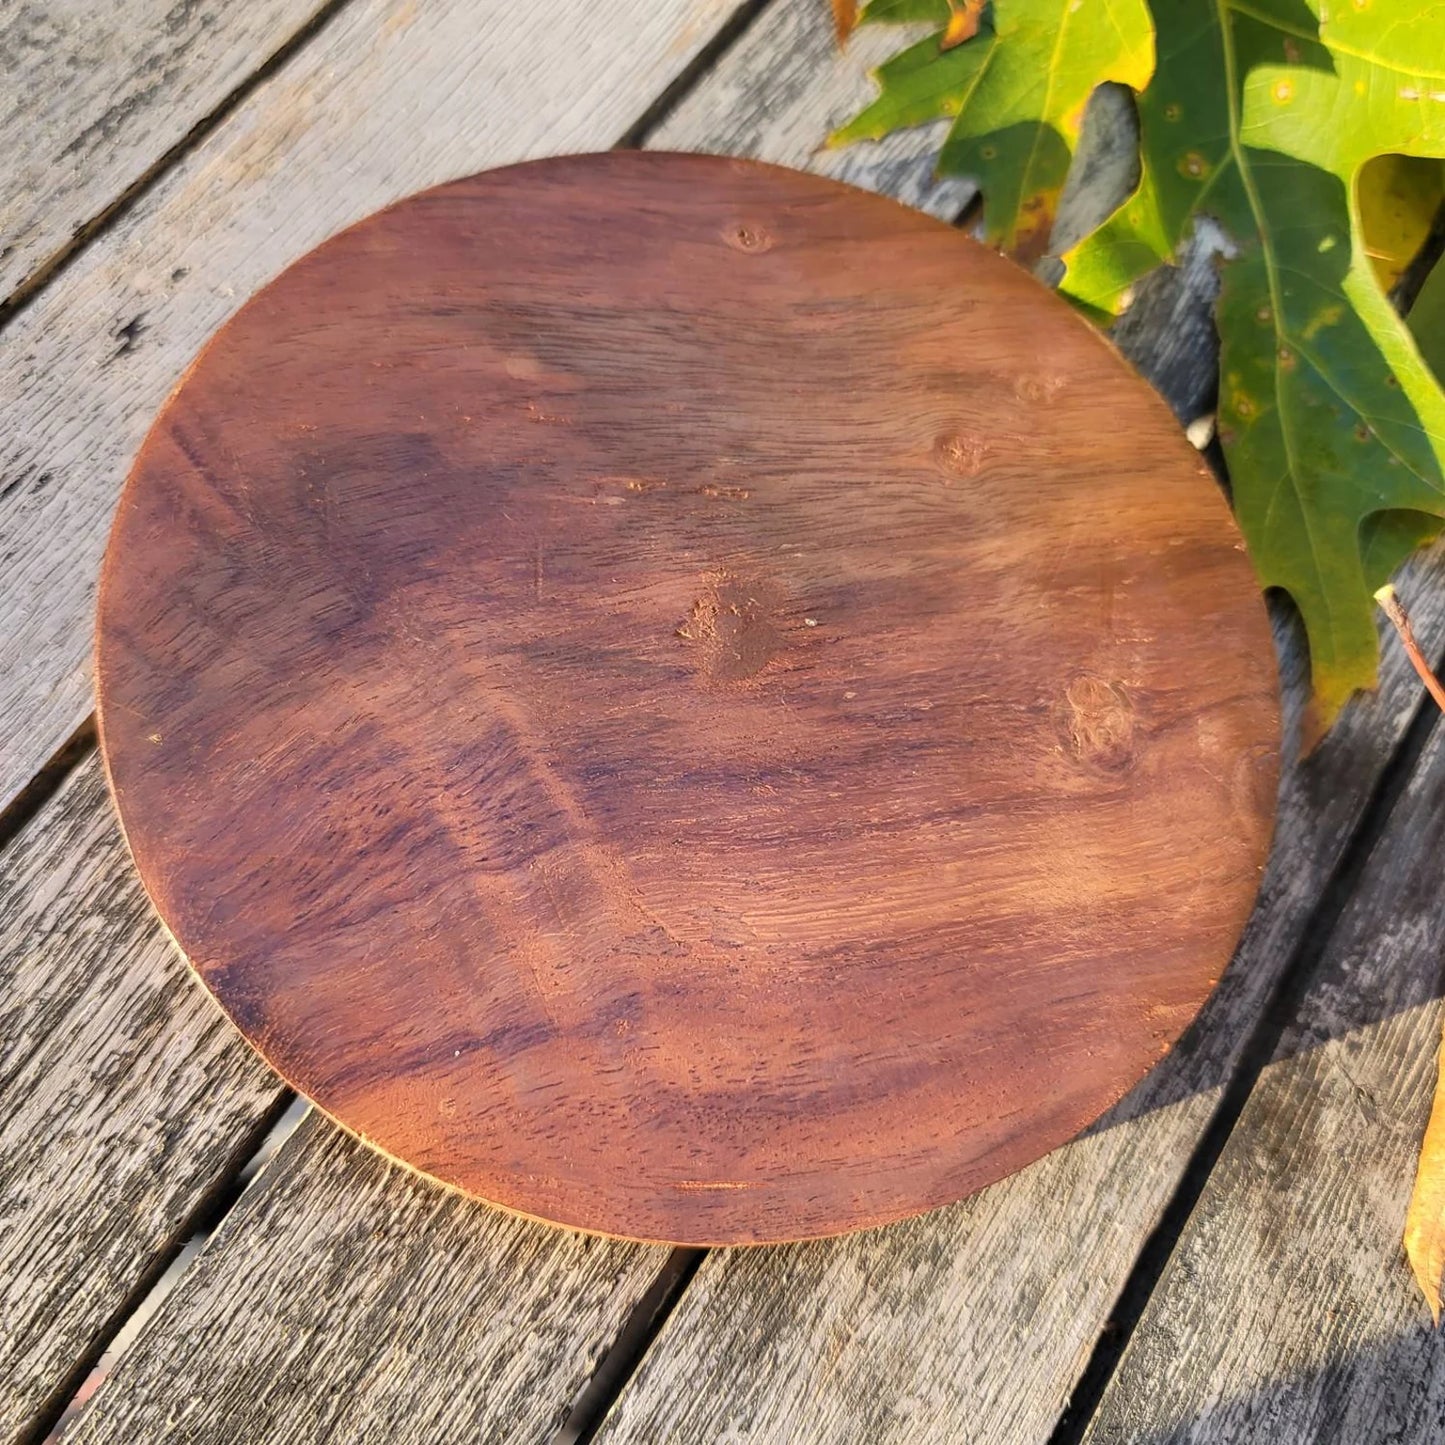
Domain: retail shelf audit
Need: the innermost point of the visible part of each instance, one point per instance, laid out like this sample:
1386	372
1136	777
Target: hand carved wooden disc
685	699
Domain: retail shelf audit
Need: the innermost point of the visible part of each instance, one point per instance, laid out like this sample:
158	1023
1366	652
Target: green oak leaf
1015	93
1265	115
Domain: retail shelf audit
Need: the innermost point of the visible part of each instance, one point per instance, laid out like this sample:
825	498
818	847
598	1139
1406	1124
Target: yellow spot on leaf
1326	316
1194	165
1283	91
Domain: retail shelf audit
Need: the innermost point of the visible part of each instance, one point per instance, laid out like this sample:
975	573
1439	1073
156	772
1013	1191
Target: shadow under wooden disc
685	699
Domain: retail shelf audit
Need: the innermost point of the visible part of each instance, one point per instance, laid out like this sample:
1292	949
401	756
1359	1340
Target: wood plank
92	96
975	1323
785	86
125	1096
344	1298
1287	1312
830	630
394	96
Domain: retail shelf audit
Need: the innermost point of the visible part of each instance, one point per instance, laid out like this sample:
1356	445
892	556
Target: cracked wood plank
125	1095
1287	1311
93	96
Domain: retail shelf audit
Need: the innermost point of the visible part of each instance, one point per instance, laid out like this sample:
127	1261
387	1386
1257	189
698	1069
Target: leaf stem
1394	609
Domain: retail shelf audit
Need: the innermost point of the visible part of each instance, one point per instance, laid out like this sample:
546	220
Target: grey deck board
1287	1311
125	1095
92	96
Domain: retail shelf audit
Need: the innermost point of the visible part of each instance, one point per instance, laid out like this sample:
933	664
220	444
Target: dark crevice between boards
970	217
253	1150
57	263
626	1352
1407	289
729	33
17	815
1278	1012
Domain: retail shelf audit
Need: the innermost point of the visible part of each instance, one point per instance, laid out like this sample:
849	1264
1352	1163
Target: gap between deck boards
1290	989
26	290
47	781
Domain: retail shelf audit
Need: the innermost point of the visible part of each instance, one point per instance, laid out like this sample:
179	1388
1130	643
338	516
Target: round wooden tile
685	699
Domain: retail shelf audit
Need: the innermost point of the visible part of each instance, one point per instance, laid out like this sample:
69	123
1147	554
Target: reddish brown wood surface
685	699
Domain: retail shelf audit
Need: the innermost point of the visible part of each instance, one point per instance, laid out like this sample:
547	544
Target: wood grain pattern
125	1096
392	96
92	96
513	656
404	1314
1287	1311
974	1324
298	1364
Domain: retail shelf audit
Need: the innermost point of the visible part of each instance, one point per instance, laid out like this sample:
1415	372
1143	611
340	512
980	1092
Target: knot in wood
748	237
1096	721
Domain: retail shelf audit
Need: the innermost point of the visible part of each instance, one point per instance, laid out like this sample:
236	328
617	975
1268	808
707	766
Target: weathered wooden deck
1217	1260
